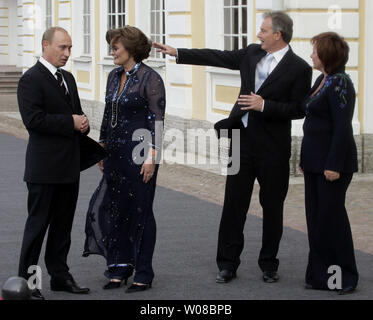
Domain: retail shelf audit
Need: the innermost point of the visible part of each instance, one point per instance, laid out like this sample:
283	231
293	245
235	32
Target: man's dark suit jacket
269	131
328	142
54	149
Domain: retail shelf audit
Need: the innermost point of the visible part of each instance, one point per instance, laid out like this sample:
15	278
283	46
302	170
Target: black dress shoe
36	295
67	285
225	276
346	290
270	276
138	287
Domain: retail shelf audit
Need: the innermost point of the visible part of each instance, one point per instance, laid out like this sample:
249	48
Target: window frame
157	10
237	35
48	15
86	28
116	14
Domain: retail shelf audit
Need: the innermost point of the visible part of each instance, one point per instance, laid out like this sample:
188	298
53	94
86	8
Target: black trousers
273	179
329	231
53	206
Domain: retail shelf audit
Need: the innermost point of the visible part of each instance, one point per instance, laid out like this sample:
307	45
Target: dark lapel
281	69
48	75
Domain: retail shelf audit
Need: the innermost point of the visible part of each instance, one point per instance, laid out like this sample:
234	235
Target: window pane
157	4
119	6
227	21
157	23
120	21
114	6
227	2
152	5
235	43
235	21
244	42
113	25
152	22
227	43
163	23
235	2
244	20
244	2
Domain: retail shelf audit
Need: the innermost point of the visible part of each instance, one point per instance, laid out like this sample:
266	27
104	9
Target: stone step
8	90
10	73
8	84
9	77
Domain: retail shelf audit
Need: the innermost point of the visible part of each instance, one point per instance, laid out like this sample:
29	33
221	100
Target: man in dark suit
50	108
280	80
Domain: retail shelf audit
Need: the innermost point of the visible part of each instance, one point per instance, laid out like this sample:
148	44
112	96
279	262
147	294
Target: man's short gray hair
281	22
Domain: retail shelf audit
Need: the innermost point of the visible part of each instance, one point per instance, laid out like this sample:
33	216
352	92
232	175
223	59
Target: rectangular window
116	14
157	26
235	24
48	14
87	27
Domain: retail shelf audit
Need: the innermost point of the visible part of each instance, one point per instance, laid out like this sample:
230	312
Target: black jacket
53	150
328	141
284	89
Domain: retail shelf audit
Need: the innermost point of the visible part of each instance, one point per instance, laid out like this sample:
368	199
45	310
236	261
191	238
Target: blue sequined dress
120	222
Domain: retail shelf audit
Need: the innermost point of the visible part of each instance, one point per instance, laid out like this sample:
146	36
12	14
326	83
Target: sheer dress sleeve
155	95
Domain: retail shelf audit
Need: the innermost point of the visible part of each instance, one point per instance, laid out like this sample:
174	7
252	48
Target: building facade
196	96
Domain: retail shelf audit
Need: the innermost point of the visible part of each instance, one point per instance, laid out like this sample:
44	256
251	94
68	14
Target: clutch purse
91	152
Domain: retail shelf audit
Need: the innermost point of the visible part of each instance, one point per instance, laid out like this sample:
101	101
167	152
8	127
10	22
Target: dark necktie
61	83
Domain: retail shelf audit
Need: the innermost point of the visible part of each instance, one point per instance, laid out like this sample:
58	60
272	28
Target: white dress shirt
52	70
278	56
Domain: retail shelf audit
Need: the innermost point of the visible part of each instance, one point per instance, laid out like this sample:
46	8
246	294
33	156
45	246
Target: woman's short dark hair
332	50
133	40
281	22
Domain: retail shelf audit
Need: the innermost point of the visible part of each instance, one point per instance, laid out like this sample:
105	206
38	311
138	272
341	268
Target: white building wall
4	32
368	110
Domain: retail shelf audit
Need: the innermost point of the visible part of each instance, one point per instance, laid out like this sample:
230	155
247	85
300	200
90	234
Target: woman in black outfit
328	160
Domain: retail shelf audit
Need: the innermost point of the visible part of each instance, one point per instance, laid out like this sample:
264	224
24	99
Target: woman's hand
300	168
147	170
331	175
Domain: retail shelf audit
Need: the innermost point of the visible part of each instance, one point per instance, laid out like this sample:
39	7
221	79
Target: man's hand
331	175
251	102
85	124
165	49
81	123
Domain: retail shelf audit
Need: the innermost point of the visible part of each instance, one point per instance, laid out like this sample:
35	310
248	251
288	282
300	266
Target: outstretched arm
204	57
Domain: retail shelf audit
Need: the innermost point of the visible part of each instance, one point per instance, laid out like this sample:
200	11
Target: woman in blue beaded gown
328	161
120	222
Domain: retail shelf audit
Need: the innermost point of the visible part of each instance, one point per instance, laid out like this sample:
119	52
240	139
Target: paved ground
187	207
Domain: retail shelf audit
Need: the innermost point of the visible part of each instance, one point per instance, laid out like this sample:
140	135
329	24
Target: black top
328	142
